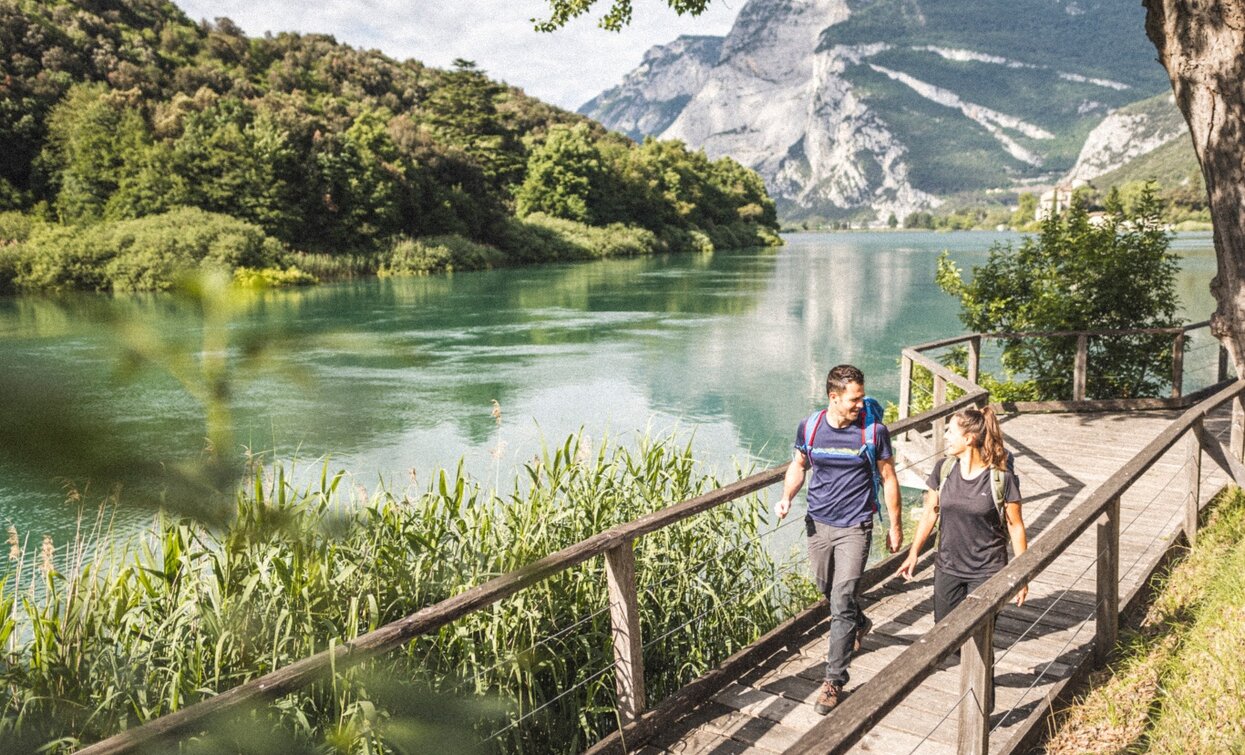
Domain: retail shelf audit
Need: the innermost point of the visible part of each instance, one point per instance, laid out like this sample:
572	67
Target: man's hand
894	537
782	507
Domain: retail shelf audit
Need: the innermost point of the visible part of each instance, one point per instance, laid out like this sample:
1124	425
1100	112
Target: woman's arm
1020	542
929	519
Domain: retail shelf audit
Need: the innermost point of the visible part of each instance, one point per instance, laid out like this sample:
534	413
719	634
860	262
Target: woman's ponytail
983	425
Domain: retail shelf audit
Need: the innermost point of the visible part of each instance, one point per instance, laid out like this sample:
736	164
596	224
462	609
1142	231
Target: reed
115	635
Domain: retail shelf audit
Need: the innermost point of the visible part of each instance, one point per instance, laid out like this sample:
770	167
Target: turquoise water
392	379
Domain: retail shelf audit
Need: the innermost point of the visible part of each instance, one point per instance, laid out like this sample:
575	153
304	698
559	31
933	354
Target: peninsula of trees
138	142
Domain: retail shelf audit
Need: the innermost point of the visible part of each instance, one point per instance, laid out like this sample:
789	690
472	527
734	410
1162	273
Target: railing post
1080	367
1107	616
1238	429
905	386
940	398
1177	365
974	359
1222	374
625	621
1195	481
977	690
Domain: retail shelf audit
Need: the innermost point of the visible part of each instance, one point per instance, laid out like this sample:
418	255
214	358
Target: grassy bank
1178	682
150	253
97	642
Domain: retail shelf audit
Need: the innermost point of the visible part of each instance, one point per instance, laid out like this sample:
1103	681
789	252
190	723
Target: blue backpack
870	419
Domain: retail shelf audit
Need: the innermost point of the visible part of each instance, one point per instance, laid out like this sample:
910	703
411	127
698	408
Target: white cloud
567	67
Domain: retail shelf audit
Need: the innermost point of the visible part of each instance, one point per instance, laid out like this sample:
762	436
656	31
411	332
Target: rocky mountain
1130	133
861	108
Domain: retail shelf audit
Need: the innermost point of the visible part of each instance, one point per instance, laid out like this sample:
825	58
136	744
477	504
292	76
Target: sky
566	68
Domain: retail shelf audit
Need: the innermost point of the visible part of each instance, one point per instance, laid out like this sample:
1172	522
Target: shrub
15	227
272	277
433	254
145	254
1075	275
559	238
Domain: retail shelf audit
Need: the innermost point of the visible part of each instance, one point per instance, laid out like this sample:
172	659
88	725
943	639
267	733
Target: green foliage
1026	210
561	176
618	15
16	227
1076	275
544	237
136	255
271	277
127	110
125	635
437	254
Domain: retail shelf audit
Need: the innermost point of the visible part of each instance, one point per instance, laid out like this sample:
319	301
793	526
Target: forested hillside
112	110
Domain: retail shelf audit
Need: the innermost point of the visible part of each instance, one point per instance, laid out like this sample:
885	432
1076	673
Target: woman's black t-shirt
973	540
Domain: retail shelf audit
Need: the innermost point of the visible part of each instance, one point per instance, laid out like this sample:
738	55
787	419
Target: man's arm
890	492
792	483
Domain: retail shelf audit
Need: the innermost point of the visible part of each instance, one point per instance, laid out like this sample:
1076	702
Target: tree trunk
1201	43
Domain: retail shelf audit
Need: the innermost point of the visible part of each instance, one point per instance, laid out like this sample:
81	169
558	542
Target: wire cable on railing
945	716
475	679
1042	674
1162	489
1162	530
534	711
719	605
912	464
1078	631
1055	602
719	555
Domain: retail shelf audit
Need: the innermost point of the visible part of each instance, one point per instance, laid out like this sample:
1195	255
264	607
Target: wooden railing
1178	399
616	547
970	627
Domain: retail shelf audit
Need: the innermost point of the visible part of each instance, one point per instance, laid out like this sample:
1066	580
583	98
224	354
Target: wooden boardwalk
1060	458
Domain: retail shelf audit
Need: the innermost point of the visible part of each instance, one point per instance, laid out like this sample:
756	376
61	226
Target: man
841	505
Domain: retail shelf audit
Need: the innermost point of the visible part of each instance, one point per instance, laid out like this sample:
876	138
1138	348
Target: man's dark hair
839	377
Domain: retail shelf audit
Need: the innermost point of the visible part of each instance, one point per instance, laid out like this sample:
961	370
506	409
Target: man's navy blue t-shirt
840	490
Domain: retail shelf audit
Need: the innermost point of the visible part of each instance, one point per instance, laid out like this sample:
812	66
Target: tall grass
105	642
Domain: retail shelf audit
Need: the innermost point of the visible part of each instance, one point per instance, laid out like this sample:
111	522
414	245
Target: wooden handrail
869	704
612	541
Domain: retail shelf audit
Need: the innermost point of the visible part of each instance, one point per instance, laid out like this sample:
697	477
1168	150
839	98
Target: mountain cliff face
868	107
1128	134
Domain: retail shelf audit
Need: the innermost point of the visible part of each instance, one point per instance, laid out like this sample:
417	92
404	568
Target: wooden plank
977	689
974	358
940	424
1109	332
905	386
1107	620
1177	365
625	626
1194	476
1080	367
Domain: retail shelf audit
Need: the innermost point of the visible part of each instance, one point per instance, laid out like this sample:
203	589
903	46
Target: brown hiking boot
864	628
829	697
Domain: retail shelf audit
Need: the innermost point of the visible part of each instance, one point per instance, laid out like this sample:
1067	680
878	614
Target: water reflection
390	376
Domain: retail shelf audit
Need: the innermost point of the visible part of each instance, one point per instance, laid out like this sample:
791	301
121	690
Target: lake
391	379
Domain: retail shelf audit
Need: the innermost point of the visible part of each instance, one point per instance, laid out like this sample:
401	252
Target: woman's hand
1022	596
907	569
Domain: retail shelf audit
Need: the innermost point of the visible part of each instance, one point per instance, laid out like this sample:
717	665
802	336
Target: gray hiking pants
838	556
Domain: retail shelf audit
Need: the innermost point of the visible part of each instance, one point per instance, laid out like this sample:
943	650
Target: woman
961	502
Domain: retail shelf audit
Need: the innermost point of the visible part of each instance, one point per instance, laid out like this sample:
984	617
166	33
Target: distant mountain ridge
852	108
